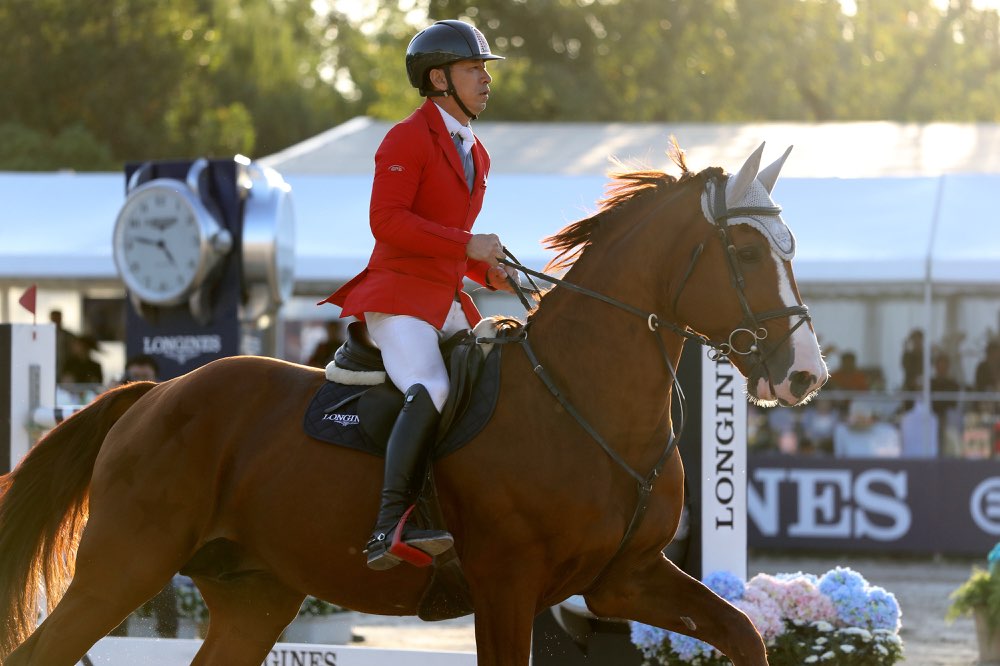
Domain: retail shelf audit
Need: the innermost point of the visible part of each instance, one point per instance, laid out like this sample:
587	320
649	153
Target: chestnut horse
211	471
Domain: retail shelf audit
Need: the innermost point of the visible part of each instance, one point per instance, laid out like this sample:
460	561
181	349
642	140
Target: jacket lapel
436	125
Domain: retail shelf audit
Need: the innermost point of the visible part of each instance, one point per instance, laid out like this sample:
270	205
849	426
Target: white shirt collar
454	127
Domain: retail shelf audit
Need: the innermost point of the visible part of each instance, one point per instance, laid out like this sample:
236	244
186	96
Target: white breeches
411	349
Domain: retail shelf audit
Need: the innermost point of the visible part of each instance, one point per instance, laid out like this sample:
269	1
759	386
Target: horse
211	473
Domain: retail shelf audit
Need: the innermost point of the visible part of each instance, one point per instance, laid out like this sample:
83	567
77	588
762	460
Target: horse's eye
749	254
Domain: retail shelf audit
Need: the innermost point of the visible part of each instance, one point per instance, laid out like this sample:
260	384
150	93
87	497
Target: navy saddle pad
362	416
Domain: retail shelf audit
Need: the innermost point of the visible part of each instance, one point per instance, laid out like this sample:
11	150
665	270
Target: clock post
173	245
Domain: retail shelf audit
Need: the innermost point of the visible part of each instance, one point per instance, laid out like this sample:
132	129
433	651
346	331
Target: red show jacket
421	216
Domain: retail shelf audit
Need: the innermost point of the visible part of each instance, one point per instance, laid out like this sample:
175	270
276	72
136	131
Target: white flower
821	640
827	655
858	631
811	659
888	636
823	625
881	649
847	648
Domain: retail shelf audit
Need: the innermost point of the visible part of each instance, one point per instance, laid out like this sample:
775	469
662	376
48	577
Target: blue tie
466	157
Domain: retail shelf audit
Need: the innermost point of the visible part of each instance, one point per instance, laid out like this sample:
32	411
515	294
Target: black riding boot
405	460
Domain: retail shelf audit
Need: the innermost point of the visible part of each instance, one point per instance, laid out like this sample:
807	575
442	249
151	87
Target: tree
144	80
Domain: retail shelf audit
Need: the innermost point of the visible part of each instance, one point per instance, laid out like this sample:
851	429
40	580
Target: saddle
357	406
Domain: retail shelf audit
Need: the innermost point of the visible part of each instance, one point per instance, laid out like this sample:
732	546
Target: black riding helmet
440	45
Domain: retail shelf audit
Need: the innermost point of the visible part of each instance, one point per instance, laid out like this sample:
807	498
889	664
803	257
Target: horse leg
100	597
247	615
127	553
658	593
505	609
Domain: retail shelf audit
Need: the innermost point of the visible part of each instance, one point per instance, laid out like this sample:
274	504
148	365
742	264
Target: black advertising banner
946	506
171	335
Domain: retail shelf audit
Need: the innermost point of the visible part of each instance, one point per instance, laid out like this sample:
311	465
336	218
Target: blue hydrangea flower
726	584
648	639
687	648
841	577
884	611
848	590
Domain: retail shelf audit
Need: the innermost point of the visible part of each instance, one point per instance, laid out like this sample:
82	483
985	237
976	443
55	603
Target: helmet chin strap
452	93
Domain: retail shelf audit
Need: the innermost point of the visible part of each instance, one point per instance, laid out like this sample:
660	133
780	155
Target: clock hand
160	243
166	251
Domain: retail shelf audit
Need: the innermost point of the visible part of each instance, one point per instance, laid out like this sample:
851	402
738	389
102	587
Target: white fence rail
179	651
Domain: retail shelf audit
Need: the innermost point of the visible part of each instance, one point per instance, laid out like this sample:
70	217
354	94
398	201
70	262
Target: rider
430	178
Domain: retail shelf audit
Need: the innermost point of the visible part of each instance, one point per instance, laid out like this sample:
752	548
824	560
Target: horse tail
43	508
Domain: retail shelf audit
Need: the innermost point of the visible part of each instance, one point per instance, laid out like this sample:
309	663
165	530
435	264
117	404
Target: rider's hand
496	277
484	247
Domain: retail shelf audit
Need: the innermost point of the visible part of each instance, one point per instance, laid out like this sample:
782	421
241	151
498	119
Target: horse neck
605	359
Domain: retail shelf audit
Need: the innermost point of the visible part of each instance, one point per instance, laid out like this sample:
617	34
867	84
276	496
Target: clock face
158	244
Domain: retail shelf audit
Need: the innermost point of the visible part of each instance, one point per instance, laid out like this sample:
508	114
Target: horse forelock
624	188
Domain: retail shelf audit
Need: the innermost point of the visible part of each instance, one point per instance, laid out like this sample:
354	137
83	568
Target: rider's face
471	81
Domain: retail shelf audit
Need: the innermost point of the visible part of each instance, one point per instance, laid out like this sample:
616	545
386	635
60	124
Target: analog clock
166	242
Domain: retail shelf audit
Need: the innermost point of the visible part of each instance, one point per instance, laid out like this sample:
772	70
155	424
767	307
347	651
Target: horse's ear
736	188
768	176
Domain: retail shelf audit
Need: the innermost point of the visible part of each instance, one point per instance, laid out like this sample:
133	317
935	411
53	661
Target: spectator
325	350
848	377
819	421
863	436
913	358
79	367
141	368
988	370
783	424
62	341
943	382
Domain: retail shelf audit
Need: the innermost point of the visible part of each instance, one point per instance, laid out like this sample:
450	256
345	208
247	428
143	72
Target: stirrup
397	550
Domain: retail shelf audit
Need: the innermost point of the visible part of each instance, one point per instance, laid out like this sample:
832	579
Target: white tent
881	211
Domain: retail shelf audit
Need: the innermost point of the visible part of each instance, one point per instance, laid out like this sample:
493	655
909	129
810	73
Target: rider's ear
437	78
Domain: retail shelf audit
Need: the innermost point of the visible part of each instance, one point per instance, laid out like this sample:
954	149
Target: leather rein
751	324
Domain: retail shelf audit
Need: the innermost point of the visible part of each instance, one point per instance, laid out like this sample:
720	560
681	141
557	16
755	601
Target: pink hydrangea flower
763	611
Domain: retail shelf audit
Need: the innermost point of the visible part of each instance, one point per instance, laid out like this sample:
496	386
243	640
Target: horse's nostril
800	382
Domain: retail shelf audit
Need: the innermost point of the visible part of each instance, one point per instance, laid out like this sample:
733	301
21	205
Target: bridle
720	349
751	324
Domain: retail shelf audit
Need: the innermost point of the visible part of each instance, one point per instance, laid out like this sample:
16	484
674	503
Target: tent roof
915	192
822	150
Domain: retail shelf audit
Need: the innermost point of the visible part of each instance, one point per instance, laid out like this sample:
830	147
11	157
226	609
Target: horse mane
626	185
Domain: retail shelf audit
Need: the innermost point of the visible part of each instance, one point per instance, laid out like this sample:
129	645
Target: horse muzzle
797	387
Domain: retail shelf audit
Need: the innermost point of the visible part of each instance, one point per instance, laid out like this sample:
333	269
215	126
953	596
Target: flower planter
332	629
837	619
988	639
